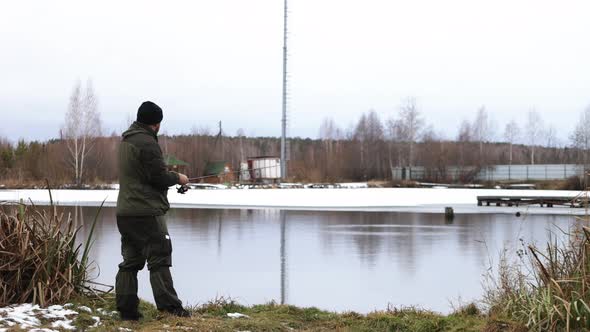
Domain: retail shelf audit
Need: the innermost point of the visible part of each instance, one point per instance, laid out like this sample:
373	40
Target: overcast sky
220	60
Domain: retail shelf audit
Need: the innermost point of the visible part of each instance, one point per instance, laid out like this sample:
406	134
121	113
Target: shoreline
431	200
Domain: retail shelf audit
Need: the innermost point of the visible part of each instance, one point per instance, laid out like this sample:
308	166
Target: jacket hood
139	128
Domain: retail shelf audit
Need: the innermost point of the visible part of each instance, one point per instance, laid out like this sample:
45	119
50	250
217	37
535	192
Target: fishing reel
182	189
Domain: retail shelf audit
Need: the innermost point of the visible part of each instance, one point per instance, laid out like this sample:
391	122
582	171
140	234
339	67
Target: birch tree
511	135
328	130
463	138
360	135
581	135
483	130
411	122
534	131
551	137
81	129
395	135
369	132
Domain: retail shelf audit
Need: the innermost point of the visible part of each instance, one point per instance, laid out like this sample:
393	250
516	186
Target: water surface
340	261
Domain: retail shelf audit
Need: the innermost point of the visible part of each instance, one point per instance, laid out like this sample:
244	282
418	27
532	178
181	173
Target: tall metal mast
284	119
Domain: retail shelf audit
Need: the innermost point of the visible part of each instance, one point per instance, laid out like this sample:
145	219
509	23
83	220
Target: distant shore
426	200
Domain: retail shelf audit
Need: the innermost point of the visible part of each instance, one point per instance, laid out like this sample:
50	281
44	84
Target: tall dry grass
549	289
40	259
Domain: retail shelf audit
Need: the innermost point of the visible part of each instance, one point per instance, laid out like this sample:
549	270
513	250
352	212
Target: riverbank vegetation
549	288
41	260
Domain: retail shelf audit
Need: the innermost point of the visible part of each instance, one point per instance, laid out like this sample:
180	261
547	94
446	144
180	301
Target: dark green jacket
143	177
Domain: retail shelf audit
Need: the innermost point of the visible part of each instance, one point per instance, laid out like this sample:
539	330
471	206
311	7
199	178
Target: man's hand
182	179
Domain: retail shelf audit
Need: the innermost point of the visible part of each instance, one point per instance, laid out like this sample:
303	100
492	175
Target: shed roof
264	157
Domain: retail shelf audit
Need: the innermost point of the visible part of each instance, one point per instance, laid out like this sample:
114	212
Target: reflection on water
283	256
340	261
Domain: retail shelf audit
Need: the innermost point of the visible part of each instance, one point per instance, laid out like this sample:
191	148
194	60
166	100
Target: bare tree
551	140
374	127
511	135
327	128
369	134
411	124
328	131
434	154
360	135
464	136
241	134
465	132
483	130
328	135
534	131
395	136
82	128
581	135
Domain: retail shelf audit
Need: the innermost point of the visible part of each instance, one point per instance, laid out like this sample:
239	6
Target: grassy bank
213	316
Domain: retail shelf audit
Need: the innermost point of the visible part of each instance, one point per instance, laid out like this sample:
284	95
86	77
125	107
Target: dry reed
40	260
550	289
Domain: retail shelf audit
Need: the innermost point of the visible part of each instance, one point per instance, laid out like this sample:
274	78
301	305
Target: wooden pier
543	201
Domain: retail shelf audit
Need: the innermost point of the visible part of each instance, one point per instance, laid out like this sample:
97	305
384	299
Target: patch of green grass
212	316
220	306
84	320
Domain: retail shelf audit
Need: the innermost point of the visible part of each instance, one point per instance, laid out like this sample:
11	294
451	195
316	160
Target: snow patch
354	185
237	315
85	309
24	315
96	321
27	316
106	313
63	324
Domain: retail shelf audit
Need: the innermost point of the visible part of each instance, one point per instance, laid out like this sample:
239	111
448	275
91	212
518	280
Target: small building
176	165
218	172
265	169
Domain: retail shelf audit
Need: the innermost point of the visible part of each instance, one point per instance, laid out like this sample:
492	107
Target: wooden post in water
449	213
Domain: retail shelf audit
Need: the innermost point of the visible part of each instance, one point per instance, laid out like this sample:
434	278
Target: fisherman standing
141	207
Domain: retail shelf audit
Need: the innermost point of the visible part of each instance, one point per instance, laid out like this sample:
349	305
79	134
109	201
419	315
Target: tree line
367	150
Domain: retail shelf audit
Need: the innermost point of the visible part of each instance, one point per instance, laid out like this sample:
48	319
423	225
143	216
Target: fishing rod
184	188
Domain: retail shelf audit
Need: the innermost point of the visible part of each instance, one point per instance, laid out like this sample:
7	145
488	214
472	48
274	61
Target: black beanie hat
149	113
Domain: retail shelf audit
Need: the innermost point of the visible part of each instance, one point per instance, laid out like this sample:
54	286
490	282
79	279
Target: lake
340	261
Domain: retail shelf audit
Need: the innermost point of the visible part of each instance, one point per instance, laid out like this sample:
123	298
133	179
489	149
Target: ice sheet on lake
426	200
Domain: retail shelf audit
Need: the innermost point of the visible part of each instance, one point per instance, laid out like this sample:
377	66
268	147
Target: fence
491	173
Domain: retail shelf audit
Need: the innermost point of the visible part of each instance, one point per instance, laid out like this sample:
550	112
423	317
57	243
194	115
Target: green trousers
145	239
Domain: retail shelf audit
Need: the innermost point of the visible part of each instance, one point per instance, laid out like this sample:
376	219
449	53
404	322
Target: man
141	208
